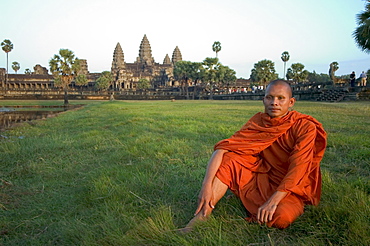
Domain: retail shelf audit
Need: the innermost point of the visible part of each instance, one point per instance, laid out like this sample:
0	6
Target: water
9	116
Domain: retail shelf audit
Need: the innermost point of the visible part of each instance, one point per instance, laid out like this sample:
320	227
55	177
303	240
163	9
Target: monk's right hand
205	201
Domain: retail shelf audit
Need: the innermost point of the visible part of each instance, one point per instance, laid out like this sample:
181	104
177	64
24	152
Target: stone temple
127	75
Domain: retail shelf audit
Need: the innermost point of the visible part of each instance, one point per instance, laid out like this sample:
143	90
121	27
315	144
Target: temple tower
2	77
167	60
38	69
118	62
145	53
118	67
176	55
127	75
83	67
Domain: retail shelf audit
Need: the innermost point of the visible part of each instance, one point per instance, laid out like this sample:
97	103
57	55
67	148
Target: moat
12	115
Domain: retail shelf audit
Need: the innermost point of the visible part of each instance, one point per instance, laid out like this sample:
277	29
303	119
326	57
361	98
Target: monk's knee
286	214
281	222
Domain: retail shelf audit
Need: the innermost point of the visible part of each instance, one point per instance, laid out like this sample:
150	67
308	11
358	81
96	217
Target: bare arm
205	197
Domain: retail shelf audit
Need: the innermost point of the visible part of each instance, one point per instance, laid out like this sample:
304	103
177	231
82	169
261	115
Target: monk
272	163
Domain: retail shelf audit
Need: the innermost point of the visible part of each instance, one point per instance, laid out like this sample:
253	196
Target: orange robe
275	154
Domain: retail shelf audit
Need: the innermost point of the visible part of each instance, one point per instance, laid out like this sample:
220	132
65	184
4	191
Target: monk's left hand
265	212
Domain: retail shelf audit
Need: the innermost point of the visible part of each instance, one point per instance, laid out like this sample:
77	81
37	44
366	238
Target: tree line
264	71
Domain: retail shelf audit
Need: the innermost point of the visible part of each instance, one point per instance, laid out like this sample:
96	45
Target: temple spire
118	59
145	52
167	60
176	55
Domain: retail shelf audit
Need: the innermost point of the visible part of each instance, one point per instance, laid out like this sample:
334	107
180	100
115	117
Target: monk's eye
281	98
268	97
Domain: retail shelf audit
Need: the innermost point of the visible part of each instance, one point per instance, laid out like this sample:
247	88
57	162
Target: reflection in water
10	115
8	118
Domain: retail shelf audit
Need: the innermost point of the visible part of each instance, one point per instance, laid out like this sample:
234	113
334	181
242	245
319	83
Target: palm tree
216	47
7	46
27	71
64	68
226	76
362	32
104	81
196	75
81	80
263	72
16	66
211	66
297	72
182	72
285	57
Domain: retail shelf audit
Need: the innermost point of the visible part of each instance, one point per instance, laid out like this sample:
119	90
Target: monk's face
278	100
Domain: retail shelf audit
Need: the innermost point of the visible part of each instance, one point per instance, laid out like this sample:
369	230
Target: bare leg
219	190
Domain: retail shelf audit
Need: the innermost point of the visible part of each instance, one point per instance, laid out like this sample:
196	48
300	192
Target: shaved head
281	82
278	98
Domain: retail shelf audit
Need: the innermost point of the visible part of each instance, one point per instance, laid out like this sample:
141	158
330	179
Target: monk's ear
291	102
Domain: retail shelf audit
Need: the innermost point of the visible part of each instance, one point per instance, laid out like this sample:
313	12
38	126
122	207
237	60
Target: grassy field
129	172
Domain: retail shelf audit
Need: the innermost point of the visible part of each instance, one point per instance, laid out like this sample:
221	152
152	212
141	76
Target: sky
315	32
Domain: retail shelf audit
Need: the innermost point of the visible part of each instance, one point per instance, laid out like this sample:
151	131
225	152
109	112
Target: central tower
145	53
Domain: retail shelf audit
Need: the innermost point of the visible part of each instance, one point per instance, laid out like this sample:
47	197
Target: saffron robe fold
274	154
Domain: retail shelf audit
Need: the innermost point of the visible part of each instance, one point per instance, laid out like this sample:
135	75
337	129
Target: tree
318	78
263	72
289	74
64	68
196	75
16	66
183	72
143	84
104	81
227	76
7	46
27	71
297	73
81	80
333	67
216	47
211	66
285	57
362	32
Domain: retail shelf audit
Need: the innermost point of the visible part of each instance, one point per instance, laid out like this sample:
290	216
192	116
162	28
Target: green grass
129	172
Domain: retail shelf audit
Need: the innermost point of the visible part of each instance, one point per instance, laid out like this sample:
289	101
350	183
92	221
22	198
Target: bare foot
184	230
193	222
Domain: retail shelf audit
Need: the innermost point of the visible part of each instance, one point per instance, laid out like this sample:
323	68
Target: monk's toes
185	230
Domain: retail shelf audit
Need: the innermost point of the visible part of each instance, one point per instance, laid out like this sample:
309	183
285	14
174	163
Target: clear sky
314	32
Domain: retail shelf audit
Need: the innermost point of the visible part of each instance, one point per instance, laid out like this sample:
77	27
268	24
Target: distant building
126	75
